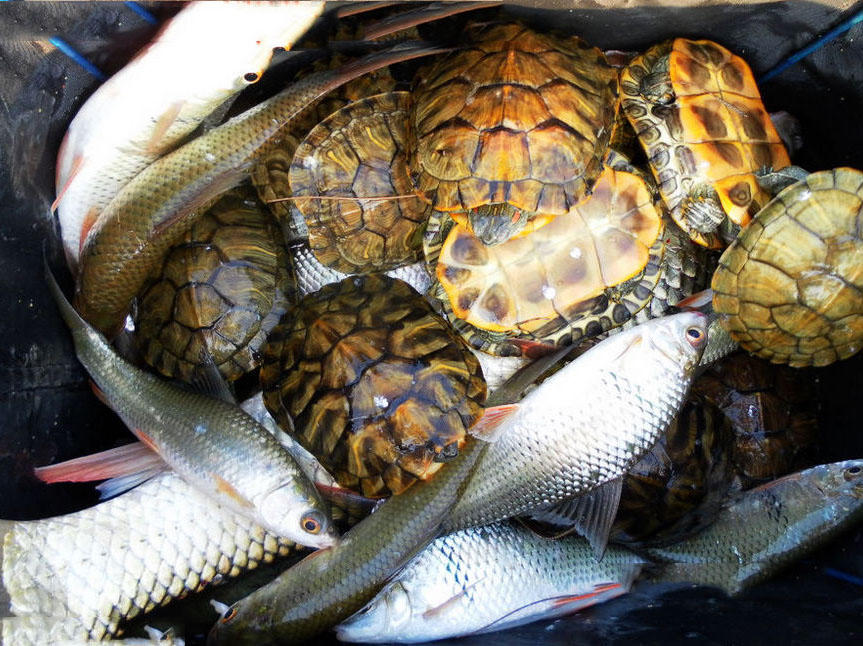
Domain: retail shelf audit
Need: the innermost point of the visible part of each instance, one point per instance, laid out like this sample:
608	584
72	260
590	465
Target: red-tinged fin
533	349
428	13
121	461
89	221
697	301
163	124
396	54
488	427
146	439
357	8
600	593
99	393
355	503
76	166
226	488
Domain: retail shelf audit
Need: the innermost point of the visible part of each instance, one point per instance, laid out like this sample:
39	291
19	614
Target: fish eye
250	77
852	472
694	335
232	612
312	523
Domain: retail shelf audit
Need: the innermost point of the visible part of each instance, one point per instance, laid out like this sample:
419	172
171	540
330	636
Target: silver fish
489	578
767	527
586	424
80	575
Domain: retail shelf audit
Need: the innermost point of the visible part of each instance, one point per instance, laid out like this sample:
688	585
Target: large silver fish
766	528
586	424
80	575
489	578
213	444
330	585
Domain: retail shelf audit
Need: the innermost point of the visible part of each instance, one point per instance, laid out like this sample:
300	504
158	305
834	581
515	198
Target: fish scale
488	578
585	425
84	573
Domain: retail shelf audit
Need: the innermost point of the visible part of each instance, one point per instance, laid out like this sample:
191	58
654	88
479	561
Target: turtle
511	128
789	289
369	379
773	413
579	275
699	116
218	293
677	488
355	153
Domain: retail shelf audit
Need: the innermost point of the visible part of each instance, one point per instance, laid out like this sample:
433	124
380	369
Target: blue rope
834	33
72	53
146	15
844	576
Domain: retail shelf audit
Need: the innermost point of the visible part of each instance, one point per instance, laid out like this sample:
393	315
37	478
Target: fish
154	209
489	578
763	529
332	584
201	58
82	575
213	444
584	426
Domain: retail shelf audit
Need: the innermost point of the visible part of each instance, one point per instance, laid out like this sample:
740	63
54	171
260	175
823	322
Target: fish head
845	478
382	619
681	338
296	511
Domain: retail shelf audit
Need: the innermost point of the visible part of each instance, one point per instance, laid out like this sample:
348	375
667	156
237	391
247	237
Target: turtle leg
774	181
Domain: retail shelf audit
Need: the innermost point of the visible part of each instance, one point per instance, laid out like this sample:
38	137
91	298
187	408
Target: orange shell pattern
523	284
374	383
714	132
517	117
791	285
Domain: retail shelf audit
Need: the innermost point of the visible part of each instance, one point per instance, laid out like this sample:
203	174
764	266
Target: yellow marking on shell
530	280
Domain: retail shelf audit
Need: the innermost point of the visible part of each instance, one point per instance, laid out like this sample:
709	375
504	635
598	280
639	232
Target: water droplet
381	401
548	291
200	429
575	252
210	157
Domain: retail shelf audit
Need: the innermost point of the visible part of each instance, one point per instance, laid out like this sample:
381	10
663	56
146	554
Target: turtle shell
581	274
790	288
219	291
359	152
514	117
372	382
677	488
699	116
773	413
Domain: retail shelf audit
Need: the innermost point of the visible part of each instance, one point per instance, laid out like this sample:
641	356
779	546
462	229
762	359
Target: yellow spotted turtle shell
219	291
790	288
357	152
699	116
580	275
372	382
513	117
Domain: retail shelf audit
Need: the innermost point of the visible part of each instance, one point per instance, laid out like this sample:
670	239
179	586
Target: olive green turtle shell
219	292
790	287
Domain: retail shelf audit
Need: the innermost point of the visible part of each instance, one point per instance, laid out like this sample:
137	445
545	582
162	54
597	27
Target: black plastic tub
47	412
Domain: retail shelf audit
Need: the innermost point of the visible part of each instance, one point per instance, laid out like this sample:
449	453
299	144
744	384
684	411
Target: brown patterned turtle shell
359	152
700	119
790	288
512	126
773	412
583	273
677	488
372	382
219	292
270	175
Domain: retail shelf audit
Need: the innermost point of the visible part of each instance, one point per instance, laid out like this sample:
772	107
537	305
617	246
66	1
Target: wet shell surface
372	382
553	284
699	116
359	152
219	292
514	117
790	288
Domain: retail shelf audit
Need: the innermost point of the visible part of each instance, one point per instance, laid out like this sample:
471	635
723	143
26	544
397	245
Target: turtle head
496	223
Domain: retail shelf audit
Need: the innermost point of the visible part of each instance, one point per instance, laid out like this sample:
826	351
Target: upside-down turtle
699	116
219	292
372	382
790	288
